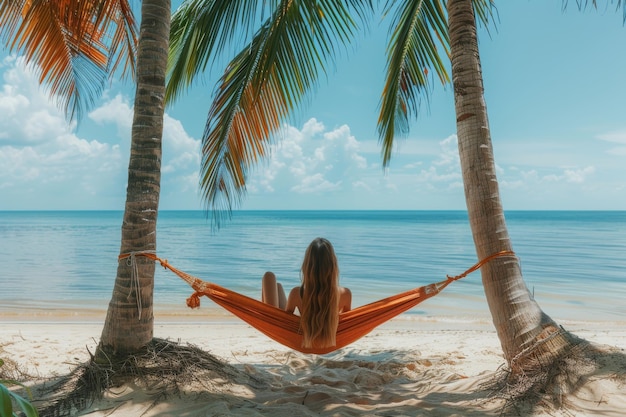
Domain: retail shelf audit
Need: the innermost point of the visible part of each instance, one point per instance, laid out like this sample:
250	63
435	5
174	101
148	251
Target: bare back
294	301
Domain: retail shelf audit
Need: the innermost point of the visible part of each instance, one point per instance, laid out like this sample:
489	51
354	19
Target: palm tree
267	80
76	45
129	322
529	338
527	335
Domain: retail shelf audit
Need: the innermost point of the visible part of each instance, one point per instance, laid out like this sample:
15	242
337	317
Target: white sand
407	367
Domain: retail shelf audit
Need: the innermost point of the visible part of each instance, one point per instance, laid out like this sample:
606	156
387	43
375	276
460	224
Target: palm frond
76	45
483	9
262	85
583	4
200	30
416	30
122	46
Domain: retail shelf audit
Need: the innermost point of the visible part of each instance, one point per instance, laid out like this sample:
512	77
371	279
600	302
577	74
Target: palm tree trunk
526	333
129	322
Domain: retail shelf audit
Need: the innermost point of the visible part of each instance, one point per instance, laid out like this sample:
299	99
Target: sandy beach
411	366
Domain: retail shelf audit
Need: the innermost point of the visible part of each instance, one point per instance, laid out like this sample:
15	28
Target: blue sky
555	92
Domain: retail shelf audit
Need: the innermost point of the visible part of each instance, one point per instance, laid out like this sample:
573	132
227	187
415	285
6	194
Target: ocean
574	262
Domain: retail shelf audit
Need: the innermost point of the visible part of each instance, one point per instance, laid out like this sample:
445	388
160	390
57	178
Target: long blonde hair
320	295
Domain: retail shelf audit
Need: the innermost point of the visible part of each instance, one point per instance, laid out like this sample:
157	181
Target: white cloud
58	172
41	154
315	183
579	175
11	103
571	175
449	155
618	151
618	136
181	152
18	166
47	162
27	114
310	160
431	176
117	111
329	165
444	169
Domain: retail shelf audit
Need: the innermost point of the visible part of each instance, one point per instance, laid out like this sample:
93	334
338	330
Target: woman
319	299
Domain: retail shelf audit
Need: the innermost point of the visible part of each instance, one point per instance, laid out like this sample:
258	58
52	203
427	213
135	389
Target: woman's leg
269	289
272	292
282	299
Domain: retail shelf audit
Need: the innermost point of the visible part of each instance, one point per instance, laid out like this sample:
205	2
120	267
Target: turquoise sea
574	262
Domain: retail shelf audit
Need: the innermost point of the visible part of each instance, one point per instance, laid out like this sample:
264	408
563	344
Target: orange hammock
284	327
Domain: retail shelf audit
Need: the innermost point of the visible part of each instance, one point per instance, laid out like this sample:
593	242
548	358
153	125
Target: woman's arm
294	301
345	299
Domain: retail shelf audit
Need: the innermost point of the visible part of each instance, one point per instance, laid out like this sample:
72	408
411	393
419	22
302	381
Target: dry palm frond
163	368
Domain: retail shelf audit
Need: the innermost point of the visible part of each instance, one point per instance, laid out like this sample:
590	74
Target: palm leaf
416	30
75	44
582	4
483	9
200	30
266	81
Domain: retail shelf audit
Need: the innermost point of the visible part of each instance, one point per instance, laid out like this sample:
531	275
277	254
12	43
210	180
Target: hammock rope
284	327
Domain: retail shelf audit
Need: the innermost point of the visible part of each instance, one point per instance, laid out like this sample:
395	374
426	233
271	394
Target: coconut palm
129	322
530	339
527	335
76	45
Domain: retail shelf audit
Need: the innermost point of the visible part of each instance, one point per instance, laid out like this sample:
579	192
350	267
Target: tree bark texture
524	330
129	322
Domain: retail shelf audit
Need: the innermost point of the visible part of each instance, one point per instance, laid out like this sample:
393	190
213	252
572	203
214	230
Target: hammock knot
135	285
456	277
194	300
164	263
479	264
431	289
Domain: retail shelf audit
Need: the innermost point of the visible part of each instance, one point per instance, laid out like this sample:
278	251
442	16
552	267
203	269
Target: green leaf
25	405
417	46
6	407
262	85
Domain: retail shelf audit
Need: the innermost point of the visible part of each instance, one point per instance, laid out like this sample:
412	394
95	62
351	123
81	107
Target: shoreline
11	314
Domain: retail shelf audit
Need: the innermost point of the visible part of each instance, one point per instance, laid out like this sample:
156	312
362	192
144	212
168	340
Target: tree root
547	385
11	370
163	368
